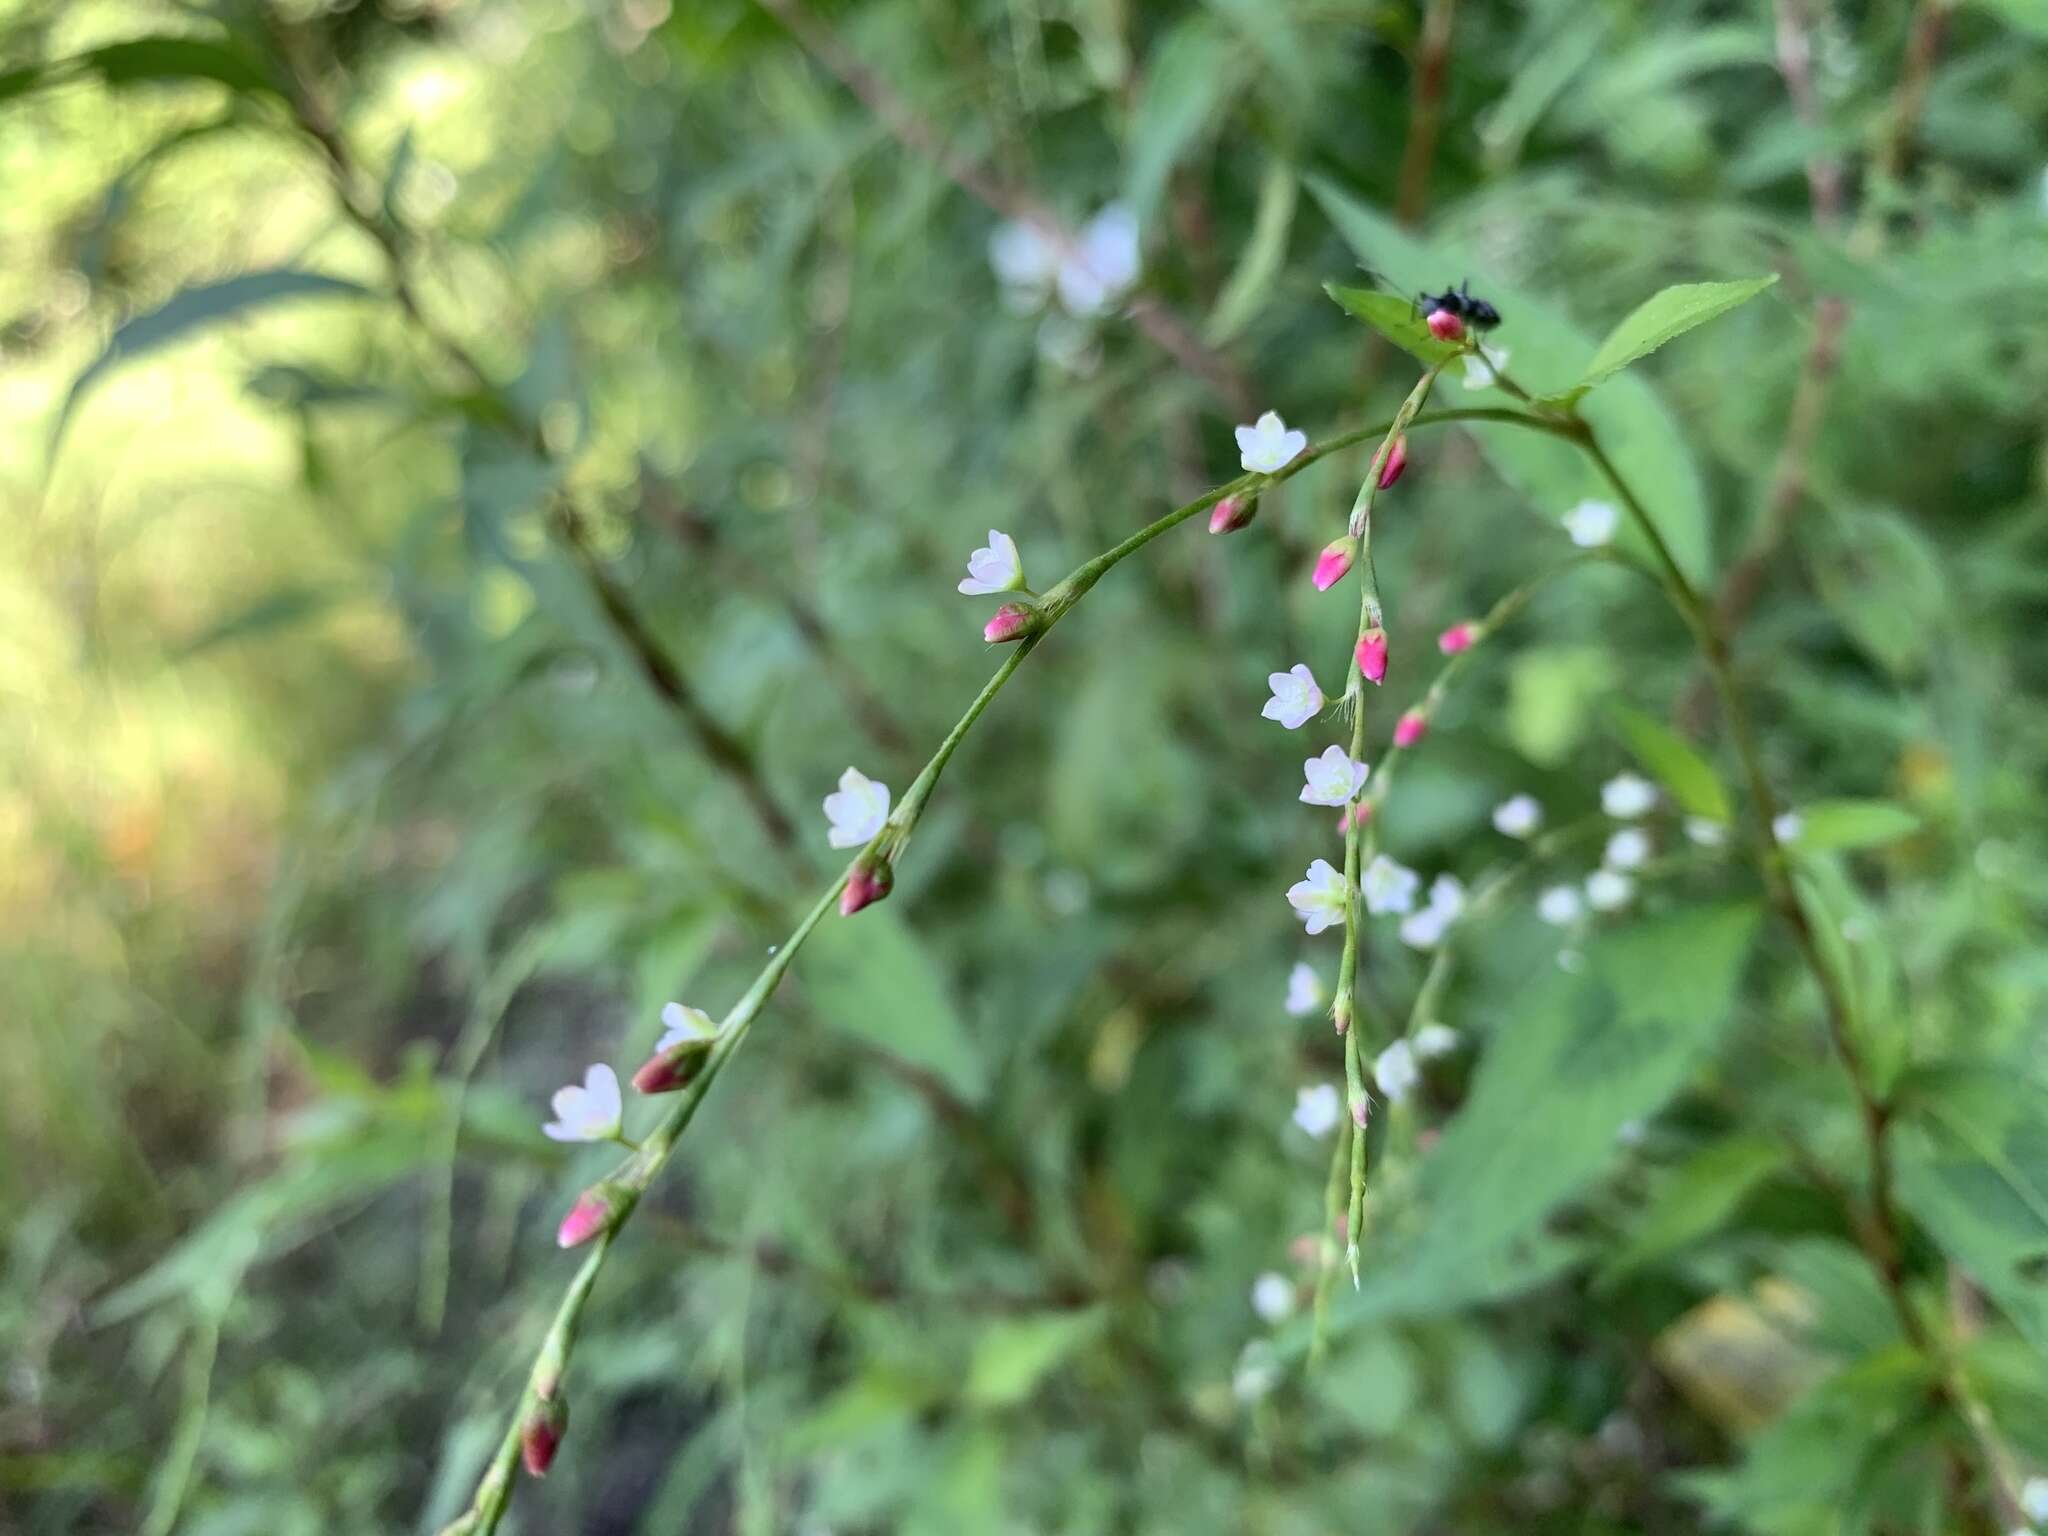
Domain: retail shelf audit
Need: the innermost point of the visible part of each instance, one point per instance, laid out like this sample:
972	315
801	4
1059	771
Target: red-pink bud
594	1211
1410	728
1445	326
1233	513
1359	811
673	1069
540	1435
1372	654
1361	1111
1397	460
1334	561
1013	621
865	886
1459	637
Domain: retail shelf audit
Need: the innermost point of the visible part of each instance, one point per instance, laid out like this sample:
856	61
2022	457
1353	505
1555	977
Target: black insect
1477	313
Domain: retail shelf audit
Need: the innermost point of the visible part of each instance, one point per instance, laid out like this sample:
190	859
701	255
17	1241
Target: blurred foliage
338	825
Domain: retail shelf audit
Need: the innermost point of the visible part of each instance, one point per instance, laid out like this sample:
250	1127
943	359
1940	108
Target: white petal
1518	816
1627	849
1273	1297
1787	825
1559	906
1591	524
1021	255
1435	1040
1317	1109
1304	990
1609	890
1625	796
1395	1071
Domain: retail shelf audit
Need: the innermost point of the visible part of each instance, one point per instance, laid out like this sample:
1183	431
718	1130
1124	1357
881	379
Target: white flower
1273	1297
1387	886
1435	1040
1317	1110
1627	849
1425	929
1318	899
590	1113
1518	816
2034	1499
1102	265
1296	698
1482	366
995	568
1592	523
1268	446
1335	778
1609	890
680	1024
1559	906
1025	261
1258	1372
1395	1071
1705	831
1787	825
1625	797
857	811
1304	990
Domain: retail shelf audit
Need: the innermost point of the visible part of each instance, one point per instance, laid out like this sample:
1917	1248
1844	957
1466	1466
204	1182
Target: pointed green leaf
1695	1198
1396	319
1834	824
1260	263
1187	79
1672	763
1664	316
874	979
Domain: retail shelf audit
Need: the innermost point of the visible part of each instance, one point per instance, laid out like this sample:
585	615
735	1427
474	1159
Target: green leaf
273	611
1396	319
1264	253
1011	1357
875	980
146	61
1663	317
1188	78
1695	1198
197	307
1672	762
1835	824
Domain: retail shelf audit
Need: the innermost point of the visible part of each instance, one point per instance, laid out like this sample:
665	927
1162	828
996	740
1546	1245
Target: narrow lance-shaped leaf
1688	776
1661	318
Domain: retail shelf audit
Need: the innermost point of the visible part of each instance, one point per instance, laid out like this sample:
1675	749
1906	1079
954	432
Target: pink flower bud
1459	637
1334	561
540	1434
1397	460
673	1069
1445	326
1305	1248
866	885
1372	655
1233	513
1359	811
1013	621
594	1211
1361	1111
1410	728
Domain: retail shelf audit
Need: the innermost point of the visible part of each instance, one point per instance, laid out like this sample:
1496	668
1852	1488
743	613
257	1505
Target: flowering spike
1410	728
1459	637
1397	460
1233	513
1334	561
1013	621
595	1210
1372	655
1445	326
540	1434
869	883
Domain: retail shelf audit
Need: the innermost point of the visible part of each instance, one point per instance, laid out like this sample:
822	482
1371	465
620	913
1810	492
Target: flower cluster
1089	274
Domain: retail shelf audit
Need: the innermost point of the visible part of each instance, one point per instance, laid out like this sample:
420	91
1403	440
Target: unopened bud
869	883
674	1069
1459	637
1361	1111
1013	621
1445	326
1397	460
540	1435
1358	813
1233	513
1410	728
1372	655
594	1211
1334	561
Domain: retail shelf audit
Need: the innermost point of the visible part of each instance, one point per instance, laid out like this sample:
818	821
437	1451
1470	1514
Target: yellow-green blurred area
474	473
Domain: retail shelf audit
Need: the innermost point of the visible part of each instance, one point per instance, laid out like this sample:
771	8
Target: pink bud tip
590	1215
1359	811
1334	561
1445	326
1397	460
1409	729
1361	1111
671	1070
1013	621
1372	655
865	887
1459	637
541	1435
1233	513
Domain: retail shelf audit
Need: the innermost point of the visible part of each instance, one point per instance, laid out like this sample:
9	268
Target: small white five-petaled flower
1627	849
680	1024
1394	1069
1090	273
1304	990
592	1112
1787	825
1559	906
1387	886
1268	445
1318	899
1317	1109
1296	698
1425	929
1518	816
1592	523
1625	797
1273	1297
1433	1041
1335	778
994	568
1482	369
1609	890
857	810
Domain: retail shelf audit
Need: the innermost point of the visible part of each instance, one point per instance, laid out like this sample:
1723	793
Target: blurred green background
340	820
